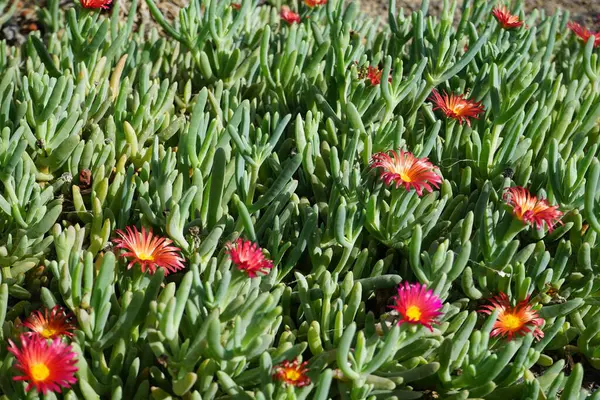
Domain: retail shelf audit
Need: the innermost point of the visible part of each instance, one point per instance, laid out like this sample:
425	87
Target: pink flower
149	251
417	305
403	168
49	325
513	321
46	366
248	257
456	107
292	373
530	210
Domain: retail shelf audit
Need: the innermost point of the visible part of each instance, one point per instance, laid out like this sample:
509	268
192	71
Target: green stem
252	186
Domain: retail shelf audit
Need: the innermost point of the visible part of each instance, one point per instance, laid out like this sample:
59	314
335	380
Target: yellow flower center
48	332
144	256
458	108
405	177
413	313
511	322
292	374
39	372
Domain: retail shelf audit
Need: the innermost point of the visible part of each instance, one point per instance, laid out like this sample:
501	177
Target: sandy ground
583	11
25	19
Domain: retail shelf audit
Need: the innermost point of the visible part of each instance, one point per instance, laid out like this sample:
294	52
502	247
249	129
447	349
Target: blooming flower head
506	19
403	168
417	305
50	325
45	366
531	210
236	6
149	251
374	75
583	33
513	321
289	16
248	257
456	106
103	4
292	373
315	3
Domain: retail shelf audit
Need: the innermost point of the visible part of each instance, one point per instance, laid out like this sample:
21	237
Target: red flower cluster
149	251
531	210
48	367
248	257
583	33
292	373
403	168
49	325
417	305
372	74
514	321
506	19
456	107
289	16
315	3
91	4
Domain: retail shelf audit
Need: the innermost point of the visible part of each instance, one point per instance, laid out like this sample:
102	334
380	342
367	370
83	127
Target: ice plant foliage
513	321
505	18
403	168
149	251
277	124
103	4
50	324
47	366
417	305
531	210
293	373
289	16
583	33
315	3
249	258
456	106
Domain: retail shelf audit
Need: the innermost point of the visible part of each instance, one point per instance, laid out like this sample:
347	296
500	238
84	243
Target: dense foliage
271	201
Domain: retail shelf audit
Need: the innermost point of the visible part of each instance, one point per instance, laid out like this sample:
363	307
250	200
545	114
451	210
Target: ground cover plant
294	201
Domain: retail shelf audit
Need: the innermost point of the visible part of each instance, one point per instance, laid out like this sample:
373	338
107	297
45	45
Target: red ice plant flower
91	4
236	6
583	33
371	74
149	251
456	106
46	366
49	325
315	3
506	19
513	321
403	168
417	305
292	373
531	210
289	16
374	75
248	257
